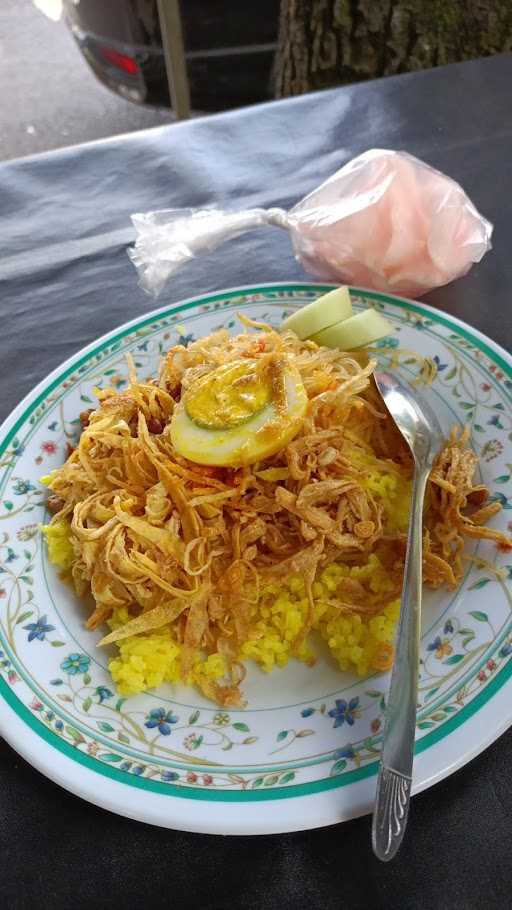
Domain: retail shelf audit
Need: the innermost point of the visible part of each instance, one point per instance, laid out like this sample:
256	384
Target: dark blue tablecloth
65	278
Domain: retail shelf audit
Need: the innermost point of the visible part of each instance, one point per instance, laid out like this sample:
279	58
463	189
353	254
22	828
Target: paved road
49	96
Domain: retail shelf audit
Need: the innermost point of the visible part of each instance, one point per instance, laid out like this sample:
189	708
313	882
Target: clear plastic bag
386	220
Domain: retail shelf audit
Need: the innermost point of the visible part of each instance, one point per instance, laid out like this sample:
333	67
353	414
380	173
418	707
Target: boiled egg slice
239	413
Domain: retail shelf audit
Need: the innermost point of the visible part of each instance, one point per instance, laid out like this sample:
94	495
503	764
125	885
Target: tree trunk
324	43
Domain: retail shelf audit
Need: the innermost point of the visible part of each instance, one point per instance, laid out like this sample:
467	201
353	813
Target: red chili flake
207	470
504	546
55	504
84	417
155	426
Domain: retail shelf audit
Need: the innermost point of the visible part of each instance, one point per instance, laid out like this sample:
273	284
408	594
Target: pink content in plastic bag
390	222
386	220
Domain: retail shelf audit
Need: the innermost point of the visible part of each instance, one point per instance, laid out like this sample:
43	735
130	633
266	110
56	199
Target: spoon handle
395	775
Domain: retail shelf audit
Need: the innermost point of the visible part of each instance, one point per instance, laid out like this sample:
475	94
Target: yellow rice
358	643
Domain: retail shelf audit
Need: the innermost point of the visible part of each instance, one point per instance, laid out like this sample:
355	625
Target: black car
229	49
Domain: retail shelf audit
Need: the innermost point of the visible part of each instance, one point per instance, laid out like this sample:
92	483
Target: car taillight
121	61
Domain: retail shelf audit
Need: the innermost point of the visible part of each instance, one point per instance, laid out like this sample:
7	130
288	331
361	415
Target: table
65	278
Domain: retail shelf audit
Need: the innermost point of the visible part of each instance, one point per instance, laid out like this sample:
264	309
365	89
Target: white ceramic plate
304	753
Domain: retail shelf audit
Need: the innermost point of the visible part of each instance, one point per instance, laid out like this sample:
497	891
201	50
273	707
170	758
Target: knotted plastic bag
386	220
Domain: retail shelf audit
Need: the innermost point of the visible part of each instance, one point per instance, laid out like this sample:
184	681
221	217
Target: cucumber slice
357	332
327	310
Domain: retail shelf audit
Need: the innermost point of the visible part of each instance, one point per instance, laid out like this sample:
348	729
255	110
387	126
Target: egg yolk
228	396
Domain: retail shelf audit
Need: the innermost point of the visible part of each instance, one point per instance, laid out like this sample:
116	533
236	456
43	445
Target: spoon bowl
414	418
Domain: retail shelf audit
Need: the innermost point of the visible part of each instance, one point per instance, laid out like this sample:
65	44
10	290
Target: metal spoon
420	428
